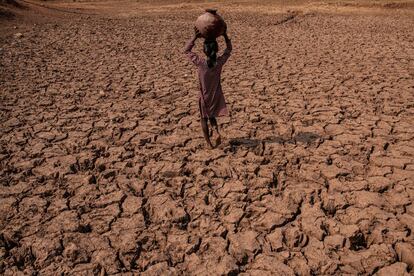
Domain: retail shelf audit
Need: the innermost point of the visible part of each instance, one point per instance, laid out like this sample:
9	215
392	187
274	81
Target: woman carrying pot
211	99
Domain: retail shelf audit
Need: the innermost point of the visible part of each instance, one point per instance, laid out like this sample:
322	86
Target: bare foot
215	136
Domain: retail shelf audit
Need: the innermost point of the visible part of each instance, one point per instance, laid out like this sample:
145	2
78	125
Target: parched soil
104	169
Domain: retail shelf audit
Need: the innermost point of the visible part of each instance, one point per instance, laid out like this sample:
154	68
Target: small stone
18	35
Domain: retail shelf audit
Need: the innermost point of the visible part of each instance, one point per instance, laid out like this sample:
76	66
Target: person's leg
214	125
204	126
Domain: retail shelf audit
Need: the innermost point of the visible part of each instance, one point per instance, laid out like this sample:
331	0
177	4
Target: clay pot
210	24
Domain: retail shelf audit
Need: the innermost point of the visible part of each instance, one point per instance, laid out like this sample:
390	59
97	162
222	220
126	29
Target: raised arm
189	46
228	42
227	52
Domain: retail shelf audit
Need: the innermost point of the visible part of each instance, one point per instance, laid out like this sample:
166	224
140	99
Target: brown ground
104	169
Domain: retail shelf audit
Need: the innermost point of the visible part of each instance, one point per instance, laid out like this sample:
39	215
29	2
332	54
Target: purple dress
211	99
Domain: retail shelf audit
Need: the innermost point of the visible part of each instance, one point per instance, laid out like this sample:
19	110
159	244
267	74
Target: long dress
211	99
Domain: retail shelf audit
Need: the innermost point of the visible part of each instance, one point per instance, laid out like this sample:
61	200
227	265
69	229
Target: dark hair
211	49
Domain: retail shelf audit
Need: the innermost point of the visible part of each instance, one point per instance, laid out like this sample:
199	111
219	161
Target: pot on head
210	24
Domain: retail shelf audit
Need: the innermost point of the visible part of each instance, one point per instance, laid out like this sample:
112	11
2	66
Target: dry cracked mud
104	169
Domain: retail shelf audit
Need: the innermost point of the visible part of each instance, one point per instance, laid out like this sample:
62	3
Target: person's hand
197	33
225	32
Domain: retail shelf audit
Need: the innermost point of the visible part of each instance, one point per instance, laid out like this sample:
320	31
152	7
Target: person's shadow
302	137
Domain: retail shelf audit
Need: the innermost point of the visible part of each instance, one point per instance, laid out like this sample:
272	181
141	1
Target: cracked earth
104	169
